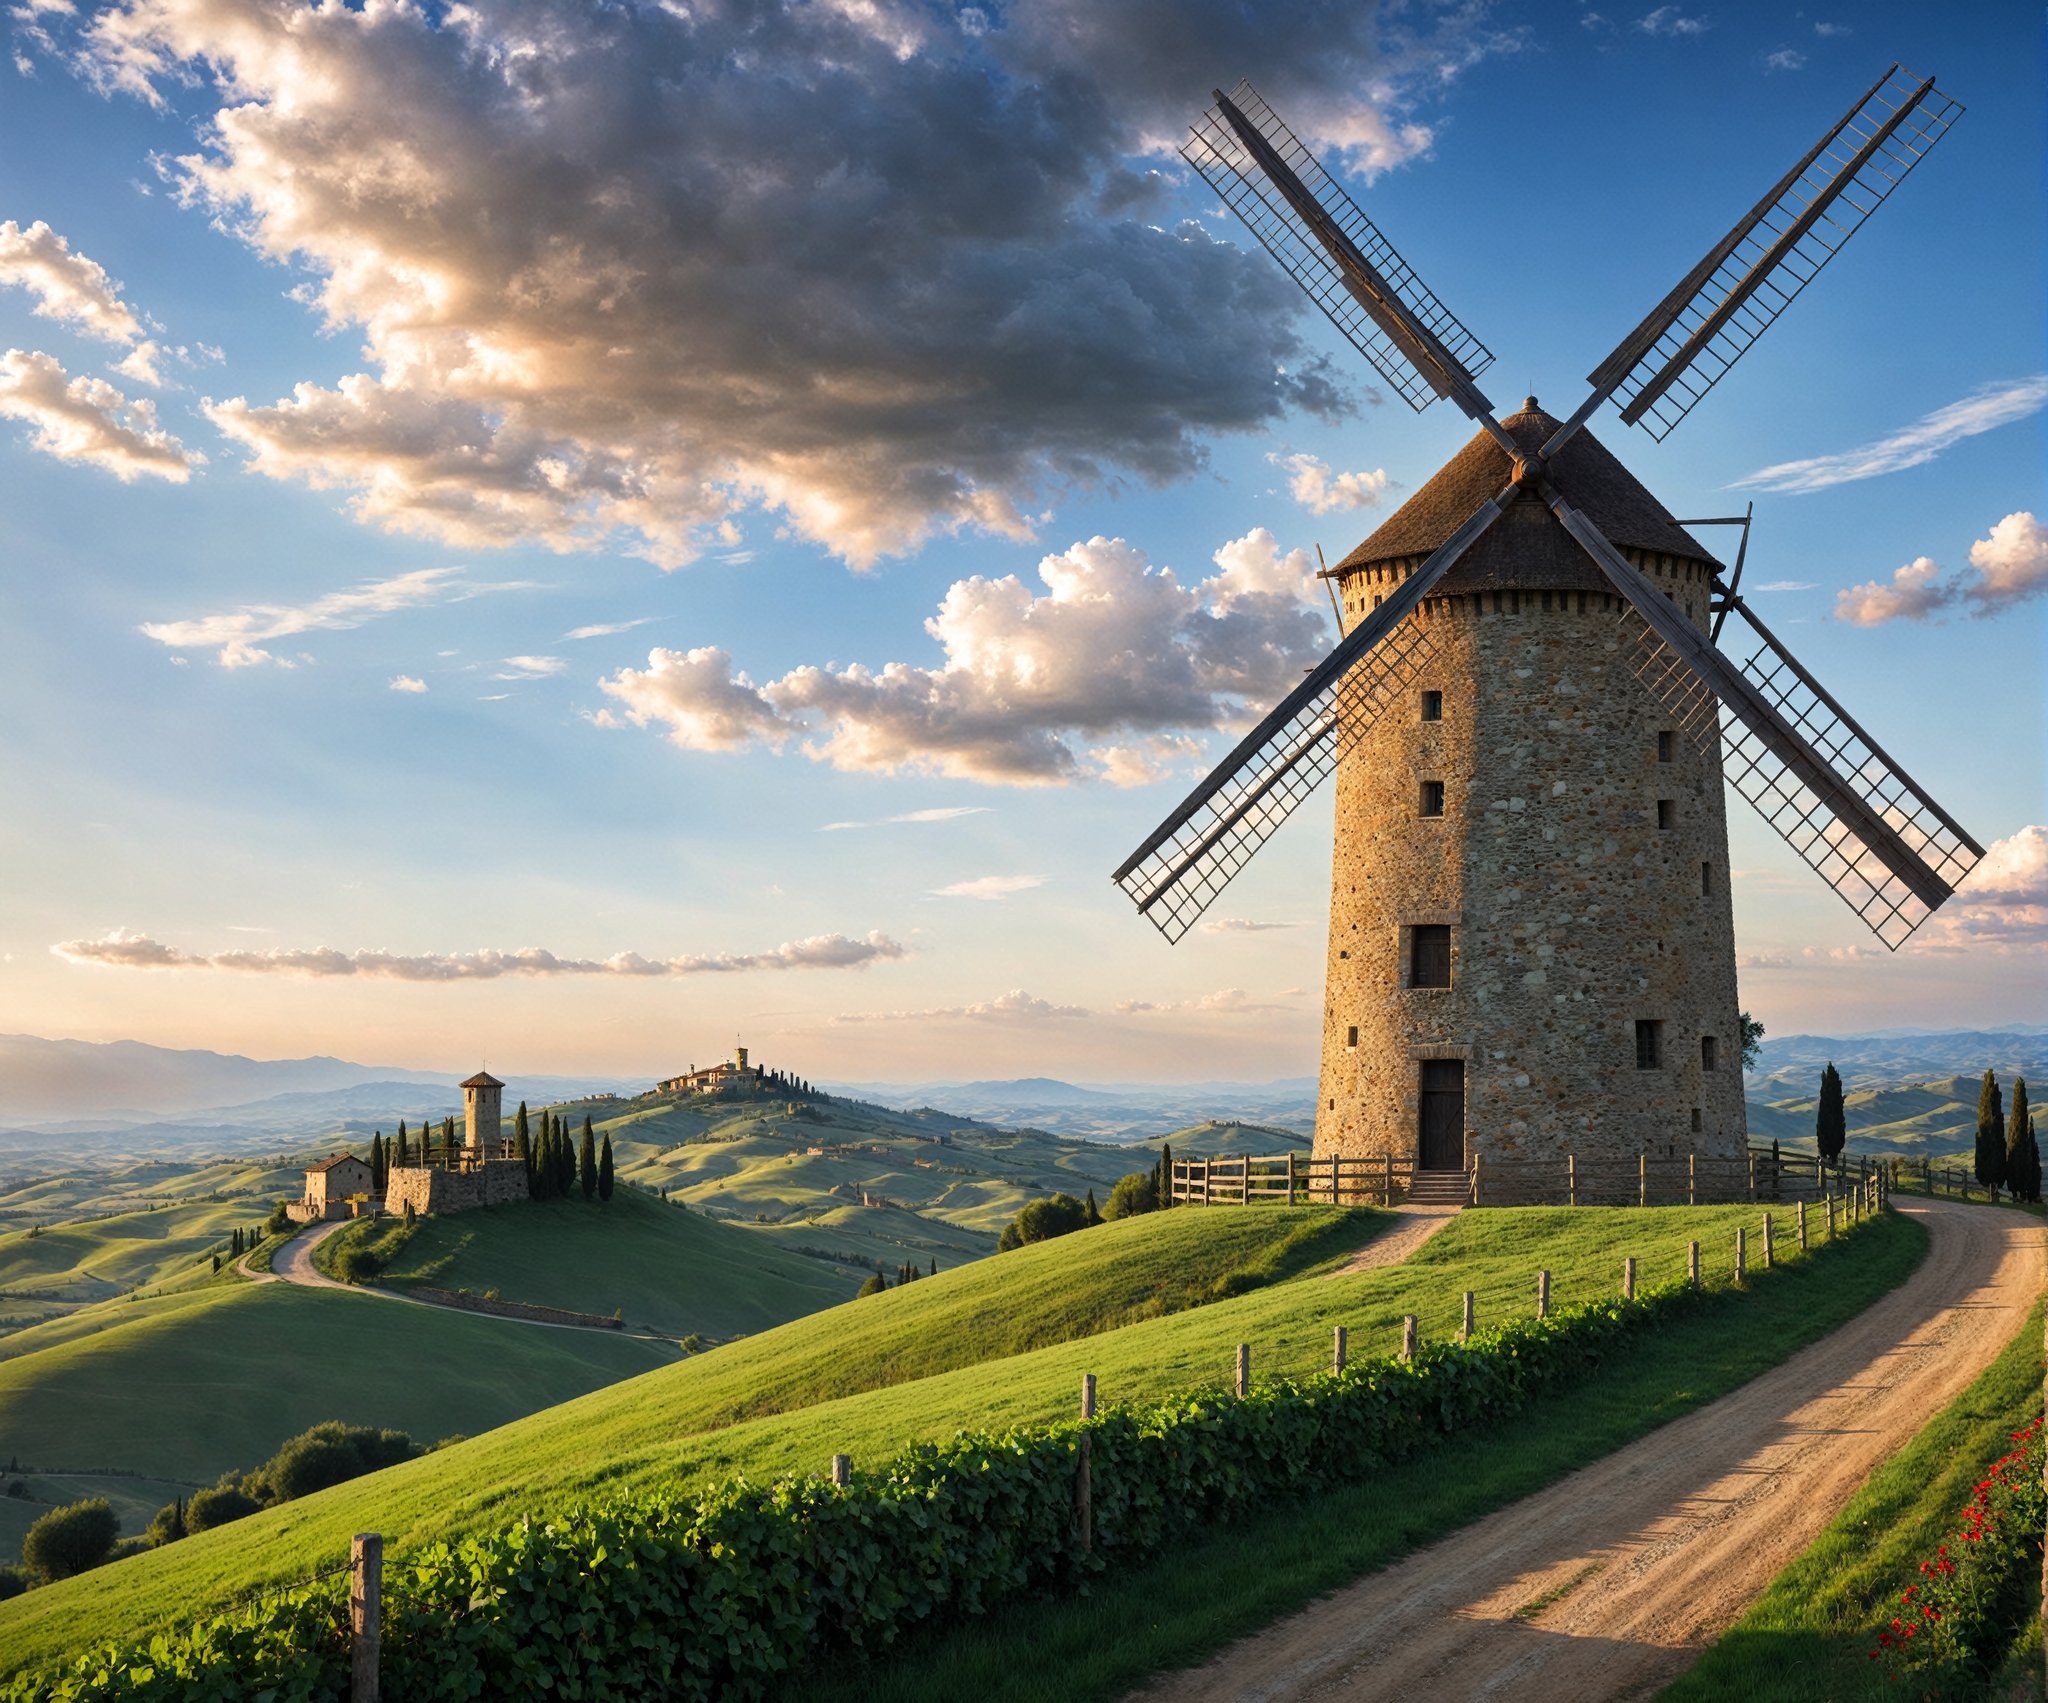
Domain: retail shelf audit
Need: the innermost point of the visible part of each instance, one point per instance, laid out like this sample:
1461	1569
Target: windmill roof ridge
1527	546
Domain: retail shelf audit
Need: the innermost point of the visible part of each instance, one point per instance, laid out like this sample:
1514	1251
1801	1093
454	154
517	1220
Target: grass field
918	1362
1180	1609
187	1389
1808	1638
656	1264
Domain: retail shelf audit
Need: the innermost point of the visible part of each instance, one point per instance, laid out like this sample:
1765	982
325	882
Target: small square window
1667	812
1649	1044
1667	747
1351	1036
1432	706
1429	955
1706	879
1432	798
1708	1053
1695	1120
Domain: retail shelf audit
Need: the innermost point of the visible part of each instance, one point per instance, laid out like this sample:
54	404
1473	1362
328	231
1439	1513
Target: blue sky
554	428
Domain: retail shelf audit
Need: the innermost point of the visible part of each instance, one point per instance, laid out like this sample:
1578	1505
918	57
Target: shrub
330	1453
13	1581
224	1503
279	1221
71	1539
1055	1215
168	1525
359	1265
1139	1192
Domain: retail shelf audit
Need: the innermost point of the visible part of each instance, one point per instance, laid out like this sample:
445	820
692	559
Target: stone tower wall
483	1115
1573	914
429	1188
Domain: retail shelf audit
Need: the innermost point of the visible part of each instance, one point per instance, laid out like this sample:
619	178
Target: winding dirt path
1608	1584
1393	1245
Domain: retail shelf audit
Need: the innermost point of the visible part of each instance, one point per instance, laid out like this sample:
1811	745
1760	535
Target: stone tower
1532	951
483	1112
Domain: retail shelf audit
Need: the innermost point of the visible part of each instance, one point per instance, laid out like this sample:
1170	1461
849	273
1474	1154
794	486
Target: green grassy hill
1905	1121
183	1389
917	1362
658	1265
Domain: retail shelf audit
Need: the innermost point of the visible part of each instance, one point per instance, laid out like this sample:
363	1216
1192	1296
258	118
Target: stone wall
1573	914
429	1188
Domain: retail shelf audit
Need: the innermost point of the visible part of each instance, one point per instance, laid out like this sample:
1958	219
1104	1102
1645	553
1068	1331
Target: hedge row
714	1596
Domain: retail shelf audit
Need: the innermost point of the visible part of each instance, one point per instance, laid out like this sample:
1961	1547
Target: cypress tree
377	1161
1830	1128
524	1148
448	1137
2023	1163
2019	1136
604	1168
1163	1193
404	1152
934	1272
586	1163
545	1169
1990	1159
1093	1215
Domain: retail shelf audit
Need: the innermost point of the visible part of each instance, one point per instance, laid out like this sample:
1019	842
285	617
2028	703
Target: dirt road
1608	1584
1398	1241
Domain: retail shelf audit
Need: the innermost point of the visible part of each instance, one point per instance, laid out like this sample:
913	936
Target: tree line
2008	1155
557	1164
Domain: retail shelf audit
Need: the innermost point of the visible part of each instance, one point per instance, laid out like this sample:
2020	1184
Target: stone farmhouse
329	1185
735	1079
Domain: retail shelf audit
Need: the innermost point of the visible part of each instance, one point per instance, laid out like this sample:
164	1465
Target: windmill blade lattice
1221	156
1833	795
1690	340
1194	854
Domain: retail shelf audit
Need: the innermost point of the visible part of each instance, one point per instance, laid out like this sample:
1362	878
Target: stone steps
1439	1188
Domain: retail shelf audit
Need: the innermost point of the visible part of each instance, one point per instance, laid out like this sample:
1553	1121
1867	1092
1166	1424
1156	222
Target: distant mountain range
97	1101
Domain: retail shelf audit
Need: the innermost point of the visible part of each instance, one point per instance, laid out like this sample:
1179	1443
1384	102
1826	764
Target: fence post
1408	1336
1543	1294
842	1469
1387	1185
1802	1226
1692	1264
1831	1217
1084	1470
1770	1246
1340	1345
1692	1179
365	1614
1290	1179
1465	1329
1244	1370
1628	1278
1475	1179
1741	1255
1244	1180
1571	1179
1336	1166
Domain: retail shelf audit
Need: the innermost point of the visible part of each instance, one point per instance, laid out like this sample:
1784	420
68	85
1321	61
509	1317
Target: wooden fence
1291	1178
1643	1179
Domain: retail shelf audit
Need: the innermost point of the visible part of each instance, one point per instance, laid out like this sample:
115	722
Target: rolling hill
919	1362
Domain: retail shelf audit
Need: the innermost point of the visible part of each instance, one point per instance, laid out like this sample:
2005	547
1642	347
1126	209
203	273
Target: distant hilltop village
483	1167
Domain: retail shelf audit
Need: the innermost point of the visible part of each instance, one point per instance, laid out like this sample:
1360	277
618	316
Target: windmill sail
1335	253
1855	817
1691	339
1193	855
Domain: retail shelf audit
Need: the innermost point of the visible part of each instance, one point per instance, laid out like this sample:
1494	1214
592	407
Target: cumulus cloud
238	635
623	272
1785	59
68	287
88	420
1670	21
1224	1002
990	887
1322	491
940	813
123	950
407	683
1014	1007
1983	410
1103	674
2008	566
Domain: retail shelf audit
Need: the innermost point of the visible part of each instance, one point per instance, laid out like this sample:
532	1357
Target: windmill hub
1531	471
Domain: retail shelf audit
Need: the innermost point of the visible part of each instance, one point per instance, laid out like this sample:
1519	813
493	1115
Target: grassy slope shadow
1179	1609
1808	1638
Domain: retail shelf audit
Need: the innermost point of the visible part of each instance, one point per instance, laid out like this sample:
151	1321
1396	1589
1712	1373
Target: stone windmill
1531	717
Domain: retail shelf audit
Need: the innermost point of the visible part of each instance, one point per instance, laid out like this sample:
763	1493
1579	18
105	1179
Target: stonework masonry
1580	865
430	1188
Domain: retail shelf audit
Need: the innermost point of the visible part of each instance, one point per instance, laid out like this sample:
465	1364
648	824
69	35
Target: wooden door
1442	1146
